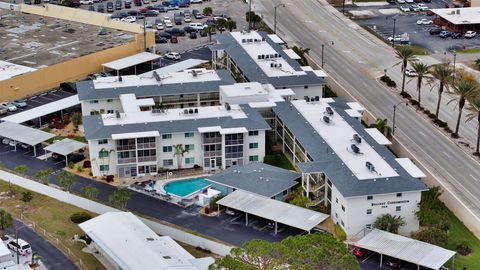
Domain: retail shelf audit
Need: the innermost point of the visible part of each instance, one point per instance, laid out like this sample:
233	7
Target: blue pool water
182	188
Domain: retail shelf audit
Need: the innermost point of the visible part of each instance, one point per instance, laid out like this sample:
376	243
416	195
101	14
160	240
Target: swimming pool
185	187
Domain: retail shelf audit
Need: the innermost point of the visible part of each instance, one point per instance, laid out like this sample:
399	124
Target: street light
275	17
323	47
393	36
249	14
16	239
454	62
394	111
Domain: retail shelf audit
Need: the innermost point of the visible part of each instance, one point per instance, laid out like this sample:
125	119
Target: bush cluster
388	81
80	217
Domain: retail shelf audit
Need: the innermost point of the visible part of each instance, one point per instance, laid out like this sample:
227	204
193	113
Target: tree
301	52
477	63
90	192
43	175
119	198
76	119
209	31
405	54
231	25
221	25
305	252
433	235
389	223
21	169
474	112
66	180
207	11
252	18
383	127
422	71
301	201
443	74
464	89
27	196
6	220
179	153
35	262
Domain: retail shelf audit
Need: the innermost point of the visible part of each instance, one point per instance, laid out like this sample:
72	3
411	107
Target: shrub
87	164
196	166
434	236
71	164
269	159
387	80
414	102
341	235
79	168
80	217
213	202
406	95
440	123
109	178
464	250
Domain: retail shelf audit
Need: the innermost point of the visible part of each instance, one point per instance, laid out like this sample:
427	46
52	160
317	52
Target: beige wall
475	3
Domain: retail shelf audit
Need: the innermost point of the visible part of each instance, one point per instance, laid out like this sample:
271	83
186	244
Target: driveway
52	258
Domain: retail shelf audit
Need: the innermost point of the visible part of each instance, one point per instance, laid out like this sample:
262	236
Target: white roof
338	134
276	39
130	103
176	67
405	249
274	210
133	245
260	47
410	167
131	135
209	129
292	54
4	251
319	72
233	130
186	76
23	134
131	61
65	146
9	70
458	16
353	113
356	106
253	93
42	110
378	136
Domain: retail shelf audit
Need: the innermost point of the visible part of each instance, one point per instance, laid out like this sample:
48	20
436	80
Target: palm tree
44	174
209	31
230	25
443	74
464	89
221	24
6	220
179	153
405	54
422	71
474	112
120	197
90	192
301	52
383	127
389	223
21	169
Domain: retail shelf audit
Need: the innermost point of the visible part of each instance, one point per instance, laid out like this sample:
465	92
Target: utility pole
249	14
394	111
323	47
144	33
275	17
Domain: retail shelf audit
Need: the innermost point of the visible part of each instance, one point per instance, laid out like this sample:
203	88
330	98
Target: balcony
212	153
125	147
126	160
146	145
212	140
147	158
234	142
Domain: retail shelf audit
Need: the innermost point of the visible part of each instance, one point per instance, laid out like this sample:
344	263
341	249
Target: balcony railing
126	160
212	153
125	147
233	142
146	145
212	140
147	158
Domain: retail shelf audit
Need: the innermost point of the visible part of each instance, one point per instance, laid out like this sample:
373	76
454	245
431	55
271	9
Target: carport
274	210
65	147
131	61
23	134
406	249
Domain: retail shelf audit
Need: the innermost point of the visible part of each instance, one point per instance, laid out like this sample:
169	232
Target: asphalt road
355	61
52	258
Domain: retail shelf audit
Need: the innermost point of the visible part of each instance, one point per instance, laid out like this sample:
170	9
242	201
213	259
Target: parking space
202	53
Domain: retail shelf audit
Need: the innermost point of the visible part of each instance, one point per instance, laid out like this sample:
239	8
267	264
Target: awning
65	147
410	167
274	210
405	249
131	61
42	110
131	135
23	134
292	54
378	136
276	39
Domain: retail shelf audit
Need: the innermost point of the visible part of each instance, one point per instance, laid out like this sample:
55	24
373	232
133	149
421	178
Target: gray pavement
355	61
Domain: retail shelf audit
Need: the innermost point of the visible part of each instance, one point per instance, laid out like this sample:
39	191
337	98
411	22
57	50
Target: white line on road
308	21
423	134
445	153
476	179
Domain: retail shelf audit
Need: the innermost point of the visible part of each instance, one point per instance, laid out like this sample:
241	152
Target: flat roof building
458	19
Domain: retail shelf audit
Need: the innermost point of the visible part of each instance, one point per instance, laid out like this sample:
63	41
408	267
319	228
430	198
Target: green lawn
417	50
458	234
471	50
278	160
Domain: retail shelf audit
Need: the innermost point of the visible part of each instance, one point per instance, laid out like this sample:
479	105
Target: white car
409	1
424	21
159	26
397	38
86	2
401	1
404	8
3	109
6	141
470	34
198	26
196	1
168	23
23	247
188	19
172	56
422	7
10	107
410	72
129	19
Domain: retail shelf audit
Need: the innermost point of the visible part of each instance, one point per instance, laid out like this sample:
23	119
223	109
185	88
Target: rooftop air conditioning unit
279	65
329	111
355	149
244	40
156	76
259	56
117	114
194	73
370	166
357	138
271	65
227	106
326	119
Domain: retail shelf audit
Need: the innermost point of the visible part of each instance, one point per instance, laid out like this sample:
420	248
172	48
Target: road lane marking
474	177
423	134
445	153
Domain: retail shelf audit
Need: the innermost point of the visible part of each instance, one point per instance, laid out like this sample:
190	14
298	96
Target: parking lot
381	20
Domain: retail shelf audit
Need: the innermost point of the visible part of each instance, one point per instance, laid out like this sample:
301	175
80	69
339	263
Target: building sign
384	204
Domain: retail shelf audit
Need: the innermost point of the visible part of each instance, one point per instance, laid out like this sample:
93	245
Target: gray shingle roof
94	128
254	73
86	90
326	161
259	178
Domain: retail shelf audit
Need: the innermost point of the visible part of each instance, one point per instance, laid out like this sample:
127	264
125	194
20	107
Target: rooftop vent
156	76
326	119
355	149
317	98
117	114
370	166
329	111
194	73
357	138
227	106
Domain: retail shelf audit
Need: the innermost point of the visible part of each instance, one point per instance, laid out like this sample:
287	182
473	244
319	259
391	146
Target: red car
143	10
173	39
430	13
358	252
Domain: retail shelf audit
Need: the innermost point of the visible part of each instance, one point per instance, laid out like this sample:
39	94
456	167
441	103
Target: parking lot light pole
144	33
323	47
393	36
394	112
275	17
454	63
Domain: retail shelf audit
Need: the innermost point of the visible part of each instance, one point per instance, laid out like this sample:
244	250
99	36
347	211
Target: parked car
3	109
172	56
456	35
118	4
137	3
151	13
400	1
109	7
422	7
159	39
86	2
230	212
435	31
410	72
167	22
27	2
6	141
176	32
132	13
430	13
130	19
100	8
424	21
404	8
174	39
197	26
197	14
91	8
148	25
189	29
159	24
196	1
178	20
165	35
358	252
445	34
22	247
146	2
414	8
10	107
19	103
128	3
393	263
470	34
193	35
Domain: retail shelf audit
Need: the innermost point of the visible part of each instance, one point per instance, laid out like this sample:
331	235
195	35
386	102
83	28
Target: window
369	198
167	149
188	134
253	145
336	215
93	101
253	133
103	153
166	136
343	224
189	147
109	100
252	158
399	195
93	112
110	111
167	162
189	160
103	141
336	200
104	168
343	208
398	208
369	211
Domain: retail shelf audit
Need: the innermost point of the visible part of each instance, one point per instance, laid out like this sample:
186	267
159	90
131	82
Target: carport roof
405	249
23	134
131	61
65	146
284	213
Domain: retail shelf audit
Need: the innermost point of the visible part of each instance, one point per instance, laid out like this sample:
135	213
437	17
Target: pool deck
159	185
